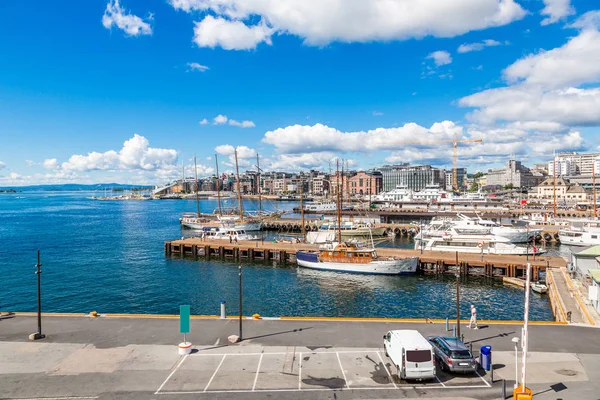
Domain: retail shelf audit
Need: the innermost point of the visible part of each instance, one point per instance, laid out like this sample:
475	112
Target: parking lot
297	369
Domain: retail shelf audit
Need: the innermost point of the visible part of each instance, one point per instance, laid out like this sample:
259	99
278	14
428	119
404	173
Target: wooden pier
430	262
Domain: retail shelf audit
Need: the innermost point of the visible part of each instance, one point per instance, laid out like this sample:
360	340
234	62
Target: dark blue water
108	256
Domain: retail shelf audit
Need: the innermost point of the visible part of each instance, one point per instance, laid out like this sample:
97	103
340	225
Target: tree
509	186
474	187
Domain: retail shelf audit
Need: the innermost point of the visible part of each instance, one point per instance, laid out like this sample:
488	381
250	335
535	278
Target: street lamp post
240	276
515	340
38	272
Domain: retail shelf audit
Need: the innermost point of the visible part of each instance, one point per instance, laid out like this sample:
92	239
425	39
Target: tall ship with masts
350	257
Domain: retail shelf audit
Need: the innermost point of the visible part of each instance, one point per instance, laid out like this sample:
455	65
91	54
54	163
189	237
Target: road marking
217	342
172	372
441	383
300	372
484	381
215	373
402	387
57	398
257	371
387	370
342	368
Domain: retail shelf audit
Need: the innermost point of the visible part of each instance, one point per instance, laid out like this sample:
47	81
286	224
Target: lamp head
515	340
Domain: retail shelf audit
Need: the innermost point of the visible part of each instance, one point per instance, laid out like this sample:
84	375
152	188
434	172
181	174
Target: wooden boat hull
402	266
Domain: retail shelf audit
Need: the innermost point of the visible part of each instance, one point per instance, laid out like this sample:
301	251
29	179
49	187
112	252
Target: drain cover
566	372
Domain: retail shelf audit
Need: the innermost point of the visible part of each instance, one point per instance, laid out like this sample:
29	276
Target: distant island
74	187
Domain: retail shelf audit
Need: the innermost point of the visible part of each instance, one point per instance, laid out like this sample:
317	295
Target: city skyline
125	91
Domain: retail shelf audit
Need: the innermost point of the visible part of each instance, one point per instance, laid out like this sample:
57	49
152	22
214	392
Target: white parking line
215	373
387	370
257	371
441	383
484	381
300	371
171	374
342	368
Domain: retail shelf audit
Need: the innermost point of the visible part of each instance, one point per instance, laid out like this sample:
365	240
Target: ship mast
237	172
339	207
594	189
554	170
218	184
258	184
196	177
302	212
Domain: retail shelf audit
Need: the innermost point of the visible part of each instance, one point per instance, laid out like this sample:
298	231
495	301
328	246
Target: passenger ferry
346	257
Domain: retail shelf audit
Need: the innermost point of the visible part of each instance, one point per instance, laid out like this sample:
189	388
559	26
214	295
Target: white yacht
226	233
350	228
515	235
581	233
478	244
349	258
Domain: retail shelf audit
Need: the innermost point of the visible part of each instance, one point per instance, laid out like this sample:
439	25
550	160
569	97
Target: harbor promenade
136	357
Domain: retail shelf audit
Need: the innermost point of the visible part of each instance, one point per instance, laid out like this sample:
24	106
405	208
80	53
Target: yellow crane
455	143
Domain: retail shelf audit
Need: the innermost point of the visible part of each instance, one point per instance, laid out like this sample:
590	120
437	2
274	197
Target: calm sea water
109	257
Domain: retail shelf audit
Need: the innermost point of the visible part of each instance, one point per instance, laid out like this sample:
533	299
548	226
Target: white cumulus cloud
317	138
2	165
440	57
222	120
556	10
543	87
135	154
194	66
576	62
50	163
478	46
231	35
246	155
319	22
132	25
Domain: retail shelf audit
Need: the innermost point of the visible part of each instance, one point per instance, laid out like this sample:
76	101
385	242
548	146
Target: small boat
347	257
539	287
226	233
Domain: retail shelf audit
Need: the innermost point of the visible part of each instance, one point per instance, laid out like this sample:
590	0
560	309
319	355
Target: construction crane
455	143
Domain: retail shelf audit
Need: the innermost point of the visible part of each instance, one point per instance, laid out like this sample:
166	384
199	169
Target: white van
411	353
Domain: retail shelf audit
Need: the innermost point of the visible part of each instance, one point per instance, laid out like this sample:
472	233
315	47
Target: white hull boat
586	235
345	258
539	288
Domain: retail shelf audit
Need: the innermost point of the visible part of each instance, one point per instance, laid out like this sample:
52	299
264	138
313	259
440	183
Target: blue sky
100	91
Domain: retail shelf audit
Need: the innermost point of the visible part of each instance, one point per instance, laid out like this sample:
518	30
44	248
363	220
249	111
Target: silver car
452	354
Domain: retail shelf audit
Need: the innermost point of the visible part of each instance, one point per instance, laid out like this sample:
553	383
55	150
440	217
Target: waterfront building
580	163
565	192
514	174
319	185
461	175
366	183
564	167
413	177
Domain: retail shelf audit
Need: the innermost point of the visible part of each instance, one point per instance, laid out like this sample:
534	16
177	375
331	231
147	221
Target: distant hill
73	187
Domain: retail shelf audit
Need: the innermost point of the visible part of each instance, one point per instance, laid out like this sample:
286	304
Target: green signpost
184	321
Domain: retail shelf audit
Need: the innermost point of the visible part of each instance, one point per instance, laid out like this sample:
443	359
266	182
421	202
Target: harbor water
108	256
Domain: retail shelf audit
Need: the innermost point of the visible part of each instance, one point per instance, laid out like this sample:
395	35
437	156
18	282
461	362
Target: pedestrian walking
230	238
473	321
235	239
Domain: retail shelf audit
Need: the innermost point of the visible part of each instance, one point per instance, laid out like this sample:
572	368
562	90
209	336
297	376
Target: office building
414	177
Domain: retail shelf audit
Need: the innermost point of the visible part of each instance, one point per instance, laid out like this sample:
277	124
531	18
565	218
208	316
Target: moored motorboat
346	257
539	287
